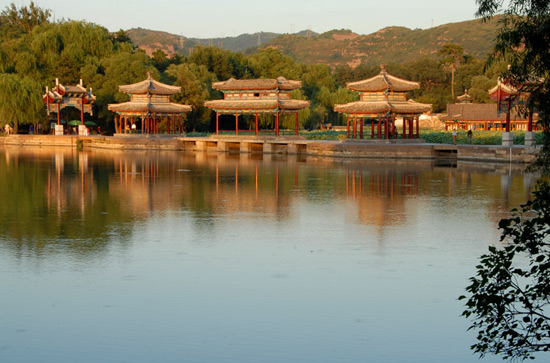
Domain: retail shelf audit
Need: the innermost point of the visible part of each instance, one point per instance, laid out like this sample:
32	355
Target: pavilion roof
465	97
149	86
382	82
479	112
379	107
288	104
164	107
233	84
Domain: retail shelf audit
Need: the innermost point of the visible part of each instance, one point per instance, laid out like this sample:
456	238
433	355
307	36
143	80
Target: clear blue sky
216	18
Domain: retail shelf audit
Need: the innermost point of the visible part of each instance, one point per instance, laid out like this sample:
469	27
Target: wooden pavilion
383	98
483	116
256	96
149	104
62	96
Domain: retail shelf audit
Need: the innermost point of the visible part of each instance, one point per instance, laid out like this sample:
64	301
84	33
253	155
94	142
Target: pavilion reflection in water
134	185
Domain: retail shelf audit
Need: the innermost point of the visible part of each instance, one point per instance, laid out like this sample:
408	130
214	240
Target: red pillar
347	129
379	130
354	120
125	123
58	115
297	124
217	123
508	115
82	110
405	127
361	120
256	124
142	122
236	124
386	128
411	128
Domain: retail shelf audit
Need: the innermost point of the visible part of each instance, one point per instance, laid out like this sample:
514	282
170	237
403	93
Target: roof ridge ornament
383	68
149	75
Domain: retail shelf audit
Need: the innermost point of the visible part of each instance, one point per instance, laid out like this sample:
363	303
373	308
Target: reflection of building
383	98
256	96
149	104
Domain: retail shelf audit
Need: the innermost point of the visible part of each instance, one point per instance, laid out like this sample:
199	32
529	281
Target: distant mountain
392	44
338	47
150	40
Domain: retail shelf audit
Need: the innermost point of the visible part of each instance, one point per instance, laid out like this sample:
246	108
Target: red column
217	123
125	123
142	124
58	115
411	128
354	120
297	124
256	124
508	115
347	130
361	120
404	127
236	124
387	128
82	110
379	130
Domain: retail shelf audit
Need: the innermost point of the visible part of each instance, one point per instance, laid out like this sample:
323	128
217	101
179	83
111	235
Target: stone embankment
374	149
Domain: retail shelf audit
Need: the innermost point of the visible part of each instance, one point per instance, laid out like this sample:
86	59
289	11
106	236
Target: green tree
509	299
195	82
510	295
15	21
453	55
21	101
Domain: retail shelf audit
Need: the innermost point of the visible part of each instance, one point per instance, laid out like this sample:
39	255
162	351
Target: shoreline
291	145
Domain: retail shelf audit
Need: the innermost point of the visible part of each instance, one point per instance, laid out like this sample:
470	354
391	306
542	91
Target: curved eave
293	105
383	82
363	107
149	86
149	107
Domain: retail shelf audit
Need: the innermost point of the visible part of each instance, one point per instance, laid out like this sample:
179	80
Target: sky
216	18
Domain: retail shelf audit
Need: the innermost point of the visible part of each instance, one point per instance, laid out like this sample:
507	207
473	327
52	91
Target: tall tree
21	101
16	20
509	298
453	55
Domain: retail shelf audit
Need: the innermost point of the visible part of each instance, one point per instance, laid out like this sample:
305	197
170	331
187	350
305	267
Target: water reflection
61	193
234	258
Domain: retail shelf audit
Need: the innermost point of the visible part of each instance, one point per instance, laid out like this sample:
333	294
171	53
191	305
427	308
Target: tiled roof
364	107
149	107
233	84
381	82
149	86
257	104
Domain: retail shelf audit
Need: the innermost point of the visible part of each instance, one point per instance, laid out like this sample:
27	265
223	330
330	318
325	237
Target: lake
127	256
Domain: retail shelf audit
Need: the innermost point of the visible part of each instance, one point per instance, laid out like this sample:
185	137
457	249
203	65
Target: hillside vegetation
339	47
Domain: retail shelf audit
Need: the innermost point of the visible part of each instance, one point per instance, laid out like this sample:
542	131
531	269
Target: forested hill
151	40
339	47
389	45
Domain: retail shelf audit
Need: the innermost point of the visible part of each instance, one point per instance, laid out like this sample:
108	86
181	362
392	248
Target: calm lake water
110	256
